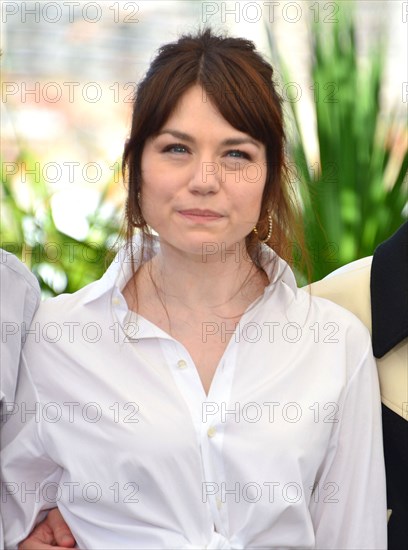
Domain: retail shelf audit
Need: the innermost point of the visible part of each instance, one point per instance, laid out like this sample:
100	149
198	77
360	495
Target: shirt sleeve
20	297
348	505
30	479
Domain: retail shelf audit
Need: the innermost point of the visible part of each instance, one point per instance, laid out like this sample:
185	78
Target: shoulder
60	347
323	319
336	335
65	325
19	289
13	271
69	307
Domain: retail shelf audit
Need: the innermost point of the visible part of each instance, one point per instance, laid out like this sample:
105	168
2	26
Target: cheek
247	205
252	186
157	196
254	174
155	181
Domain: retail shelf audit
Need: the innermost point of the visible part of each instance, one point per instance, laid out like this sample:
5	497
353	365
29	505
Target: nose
206	178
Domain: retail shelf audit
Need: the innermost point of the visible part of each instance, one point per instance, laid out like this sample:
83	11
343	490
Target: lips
201	213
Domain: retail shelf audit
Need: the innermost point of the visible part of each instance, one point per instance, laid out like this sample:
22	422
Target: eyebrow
227	142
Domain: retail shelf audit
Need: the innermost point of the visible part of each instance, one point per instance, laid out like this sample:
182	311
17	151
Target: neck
225	280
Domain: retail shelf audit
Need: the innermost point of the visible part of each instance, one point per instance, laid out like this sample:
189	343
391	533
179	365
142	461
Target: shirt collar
120	270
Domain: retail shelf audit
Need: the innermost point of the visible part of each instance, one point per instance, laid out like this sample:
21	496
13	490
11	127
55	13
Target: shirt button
211	431
182	364
115	301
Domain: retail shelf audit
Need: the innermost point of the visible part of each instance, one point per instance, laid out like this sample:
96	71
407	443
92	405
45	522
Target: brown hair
239	83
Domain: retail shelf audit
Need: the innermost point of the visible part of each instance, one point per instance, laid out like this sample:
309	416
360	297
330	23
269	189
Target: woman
194	397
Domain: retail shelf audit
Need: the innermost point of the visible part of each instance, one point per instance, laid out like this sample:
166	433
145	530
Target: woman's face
202	180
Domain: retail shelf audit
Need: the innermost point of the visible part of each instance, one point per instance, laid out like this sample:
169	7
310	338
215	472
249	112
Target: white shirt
20	296
136	455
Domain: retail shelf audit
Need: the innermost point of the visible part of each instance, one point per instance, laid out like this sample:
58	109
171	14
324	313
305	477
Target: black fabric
389	292
395	430
389	315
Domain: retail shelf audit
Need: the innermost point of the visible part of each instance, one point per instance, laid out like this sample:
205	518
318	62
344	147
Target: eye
236	153
175	148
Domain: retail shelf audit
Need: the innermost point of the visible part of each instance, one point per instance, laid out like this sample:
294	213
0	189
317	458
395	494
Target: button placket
184	376
213	429
182	364
211	432
211	449
209	427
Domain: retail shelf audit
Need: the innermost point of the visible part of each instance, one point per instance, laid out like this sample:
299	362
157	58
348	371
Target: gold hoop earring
269	235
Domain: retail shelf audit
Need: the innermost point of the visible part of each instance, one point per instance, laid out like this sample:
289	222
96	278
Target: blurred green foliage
354	195
60	262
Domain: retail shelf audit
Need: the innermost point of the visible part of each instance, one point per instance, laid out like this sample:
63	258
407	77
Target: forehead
195	101
196	114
